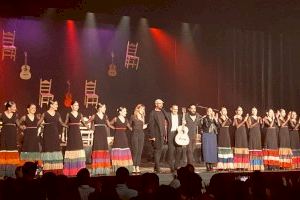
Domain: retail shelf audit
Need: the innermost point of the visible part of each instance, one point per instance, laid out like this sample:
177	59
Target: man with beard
158	123
193	122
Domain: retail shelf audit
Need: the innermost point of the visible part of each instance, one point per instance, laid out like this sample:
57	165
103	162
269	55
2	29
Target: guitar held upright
182	137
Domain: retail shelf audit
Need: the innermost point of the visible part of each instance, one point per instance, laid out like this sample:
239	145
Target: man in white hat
158	131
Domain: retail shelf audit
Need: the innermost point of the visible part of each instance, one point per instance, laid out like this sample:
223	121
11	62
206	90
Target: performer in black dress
101	163
30	148
285	151
255	149
74	159
270	148
158	131
295	141
51	151
225	153
138	125
241	150
9	155
120	152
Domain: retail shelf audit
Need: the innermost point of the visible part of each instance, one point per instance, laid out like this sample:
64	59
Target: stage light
90	20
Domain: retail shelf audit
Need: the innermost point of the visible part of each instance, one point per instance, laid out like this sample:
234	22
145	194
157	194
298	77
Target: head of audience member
159	104
174	109
122	111
190	168
122	175
101	108
83	176
166	192
10	106
192	109
149	183
29	170
18	172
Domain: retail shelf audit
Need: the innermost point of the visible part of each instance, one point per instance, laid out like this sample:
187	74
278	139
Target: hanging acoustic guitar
112	68
25	70
68	96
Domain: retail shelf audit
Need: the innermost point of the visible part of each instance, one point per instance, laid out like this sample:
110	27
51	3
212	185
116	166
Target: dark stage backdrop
205	65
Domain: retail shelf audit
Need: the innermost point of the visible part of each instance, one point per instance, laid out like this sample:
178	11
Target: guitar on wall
68	96
182	137
112	68
25	69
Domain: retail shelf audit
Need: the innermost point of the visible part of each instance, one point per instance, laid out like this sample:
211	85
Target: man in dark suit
174	150
158	124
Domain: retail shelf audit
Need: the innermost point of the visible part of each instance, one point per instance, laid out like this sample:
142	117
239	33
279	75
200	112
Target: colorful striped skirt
241	158
9	160
74	161
225	158
121	157
271	158
296	159
100	163
52	162
285	158
256	160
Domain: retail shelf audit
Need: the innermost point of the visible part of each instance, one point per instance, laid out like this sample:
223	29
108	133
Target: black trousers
175	151
190	151
137	145
157	151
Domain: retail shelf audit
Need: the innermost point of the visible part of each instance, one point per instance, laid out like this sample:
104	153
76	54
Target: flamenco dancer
75	155
9	155
51	153
100	153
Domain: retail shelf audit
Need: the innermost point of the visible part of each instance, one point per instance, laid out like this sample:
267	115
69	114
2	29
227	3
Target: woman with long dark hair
9	155
138	125
120	153
100	153
51	151
295	141
254	123
285	151
241	150
74	158
30	148
270	147
209	139
225	153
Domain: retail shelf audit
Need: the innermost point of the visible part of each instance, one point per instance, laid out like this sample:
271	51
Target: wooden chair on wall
90	96
45	92
8	45
132	60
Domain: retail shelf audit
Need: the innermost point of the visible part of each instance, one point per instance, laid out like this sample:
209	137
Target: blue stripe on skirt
209	145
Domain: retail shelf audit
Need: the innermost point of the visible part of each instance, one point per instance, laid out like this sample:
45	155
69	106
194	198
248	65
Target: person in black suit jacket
174	150
158	124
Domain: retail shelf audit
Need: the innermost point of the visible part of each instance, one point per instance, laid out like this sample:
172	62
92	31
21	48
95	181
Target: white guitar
25	70
182	137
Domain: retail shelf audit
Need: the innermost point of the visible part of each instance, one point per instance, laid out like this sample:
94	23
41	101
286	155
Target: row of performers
280	148
51	159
